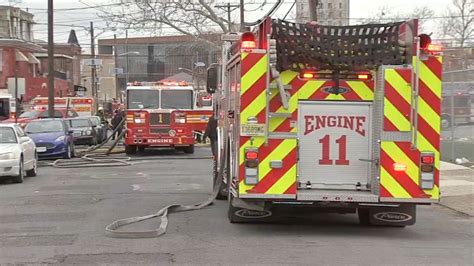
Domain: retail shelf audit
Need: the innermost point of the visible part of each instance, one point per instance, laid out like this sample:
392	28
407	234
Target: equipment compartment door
334	144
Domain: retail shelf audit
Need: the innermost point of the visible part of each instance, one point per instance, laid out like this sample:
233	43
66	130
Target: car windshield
176	99
44	126
79	122
95	121
30	114
7	135
143	99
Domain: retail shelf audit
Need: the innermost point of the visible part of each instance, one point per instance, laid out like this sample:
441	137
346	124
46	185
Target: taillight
399	167
434	48
427	168
248	41
427	159
251	155
251	166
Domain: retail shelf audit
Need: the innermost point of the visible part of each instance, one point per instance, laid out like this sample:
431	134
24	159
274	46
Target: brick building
21	57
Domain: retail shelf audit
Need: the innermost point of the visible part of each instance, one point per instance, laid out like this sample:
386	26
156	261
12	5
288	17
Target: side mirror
24	139
211	82
69	132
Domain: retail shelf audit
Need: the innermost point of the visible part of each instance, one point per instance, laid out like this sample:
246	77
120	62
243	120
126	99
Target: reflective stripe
259	69
398	119
392	186
361	89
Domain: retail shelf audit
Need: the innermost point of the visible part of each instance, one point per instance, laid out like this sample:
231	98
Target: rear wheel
21	175
130	149
364	216
189	149
222	194
34	171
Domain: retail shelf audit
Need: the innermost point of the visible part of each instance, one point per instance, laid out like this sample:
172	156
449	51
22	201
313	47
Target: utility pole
117	90
93	68
50	60
126	63
242	18
313	9
229	8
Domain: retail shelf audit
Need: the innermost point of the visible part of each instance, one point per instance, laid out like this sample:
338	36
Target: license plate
41	149
160	141
76	134
252	130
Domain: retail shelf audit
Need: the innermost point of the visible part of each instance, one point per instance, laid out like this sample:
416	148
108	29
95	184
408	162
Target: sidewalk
457	187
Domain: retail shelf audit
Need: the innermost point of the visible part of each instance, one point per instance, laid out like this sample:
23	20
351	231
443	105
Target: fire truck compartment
334	146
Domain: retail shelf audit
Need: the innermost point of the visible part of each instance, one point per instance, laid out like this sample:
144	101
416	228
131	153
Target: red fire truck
157	116
199	117
328	118
84	106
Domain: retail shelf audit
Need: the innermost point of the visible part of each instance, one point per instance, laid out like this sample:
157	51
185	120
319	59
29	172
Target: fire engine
199	117
334	118
84	106
157	116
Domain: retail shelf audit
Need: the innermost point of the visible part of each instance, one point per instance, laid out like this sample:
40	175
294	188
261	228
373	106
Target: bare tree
196	18
459	24
385	14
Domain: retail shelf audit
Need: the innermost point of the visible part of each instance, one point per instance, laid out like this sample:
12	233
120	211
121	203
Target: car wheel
34	171
21	176
446	122
69	151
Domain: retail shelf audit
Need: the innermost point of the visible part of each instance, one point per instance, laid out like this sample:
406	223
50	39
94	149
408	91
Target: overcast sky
81	18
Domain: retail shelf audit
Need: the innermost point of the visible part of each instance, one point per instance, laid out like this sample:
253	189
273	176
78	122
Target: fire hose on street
111	230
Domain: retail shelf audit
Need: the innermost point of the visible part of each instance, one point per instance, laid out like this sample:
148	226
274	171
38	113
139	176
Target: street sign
116	71
92	62
21	86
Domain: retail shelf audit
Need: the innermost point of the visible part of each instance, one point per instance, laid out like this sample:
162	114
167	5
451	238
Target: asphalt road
60	215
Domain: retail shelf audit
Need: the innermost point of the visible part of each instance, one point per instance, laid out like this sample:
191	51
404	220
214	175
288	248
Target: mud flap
403	215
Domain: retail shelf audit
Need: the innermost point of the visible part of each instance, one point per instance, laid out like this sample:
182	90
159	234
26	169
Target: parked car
52	137
31	115
101	128
17	153
84	132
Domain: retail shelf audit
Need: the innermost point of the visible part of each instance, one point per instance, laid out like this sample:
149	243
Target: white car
17	153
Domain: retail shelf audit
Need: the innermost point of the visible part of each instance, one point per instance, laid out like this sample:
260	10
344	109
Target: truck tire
364	218
130	149
222	194
189	149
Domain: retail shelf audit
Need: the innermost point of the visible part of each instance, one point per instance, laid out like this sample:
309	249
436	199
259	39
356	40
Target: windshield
176	99
7	135
79	123
44	126
143	99
95	121
30	114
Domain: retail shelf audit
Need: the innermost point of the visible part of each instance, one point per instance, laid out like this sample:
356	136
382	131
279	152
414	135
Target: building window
329	5
340	5
1	60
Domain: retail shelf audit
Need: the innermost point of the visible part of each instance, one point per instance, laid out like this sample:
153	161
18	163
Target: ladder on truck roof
293	46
